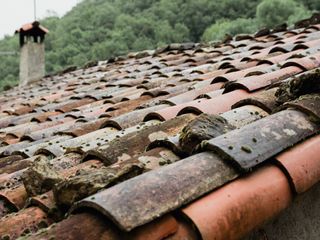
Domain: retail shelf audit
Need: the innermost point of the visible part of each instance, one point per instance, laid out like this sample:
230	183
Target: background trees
274	12
99	29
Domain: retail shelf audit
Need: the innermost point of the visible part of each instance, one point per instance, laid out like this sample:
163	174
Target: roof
31	26
190	140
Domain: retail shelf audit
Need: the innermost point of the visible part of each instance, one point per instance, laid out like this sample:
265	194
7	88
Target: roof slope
187	141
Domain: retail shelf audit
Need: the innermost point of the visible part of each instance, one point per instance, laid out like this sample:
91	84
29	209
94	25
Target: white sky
15	13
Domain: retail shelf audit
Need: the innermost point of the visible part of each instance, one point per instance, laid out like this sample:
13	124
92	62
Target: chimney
32	53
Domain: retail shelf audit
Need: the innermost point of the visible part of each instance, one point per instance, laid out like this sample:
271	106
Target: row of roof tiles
164	144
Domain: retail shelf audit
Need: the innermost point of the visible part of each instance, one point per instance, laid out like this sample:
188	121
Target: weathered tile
256	142
141	199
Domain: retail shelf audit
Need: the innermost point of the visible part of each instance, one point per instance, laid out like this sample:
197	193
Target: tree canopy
100	29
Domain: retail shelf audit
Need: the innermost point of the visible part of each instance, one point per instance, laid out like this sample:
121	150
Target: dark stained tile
260	140
160	187
133	143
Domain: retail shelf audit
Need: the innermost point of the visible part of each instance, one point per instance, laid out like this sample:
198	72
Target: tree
218	30
273	12
311	4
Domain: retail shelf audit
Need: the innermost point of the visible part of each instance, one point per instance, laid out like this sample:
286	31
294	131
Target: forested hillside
99	29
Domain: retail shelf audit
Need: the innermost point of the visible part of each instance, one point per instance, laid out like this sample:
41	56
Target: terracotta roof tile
302	165
242	205
265	100
216	105
28	220
256	142
254	83
158	144
159	189
140	137
17	197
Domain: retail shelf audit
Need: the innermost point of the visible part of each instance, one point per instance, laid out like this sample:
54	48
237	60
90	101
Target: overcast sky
15	13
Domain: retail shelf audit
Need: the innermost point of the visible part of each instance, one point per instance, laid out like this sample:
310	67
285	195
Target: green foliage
269	13
311	4
229	27
9	64
275	12
100	29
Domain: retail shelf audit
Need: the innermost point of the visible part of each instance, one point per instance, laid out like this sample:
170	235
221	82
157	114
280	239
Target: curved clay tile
102	177
265	100
308	104
9	160
77	130
215	105
256	142
130	82
22	129
31	150
232	76
211	106
9	139
87	115
282	57
63	117
136	139
131	94
48	132
154	193
8	130
9	181
78	144
302	164
84	225
309	44
234	210
209	75
125	107
167	113
16	198
254	83
178	81
19	111
157	157
235	118
158	92
131	119
16	166
16	120
92	105
243	115
7	150
212	94
44	201
28	220
306	63
43	116
170	143
284	48
72	104
192	94
159	229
